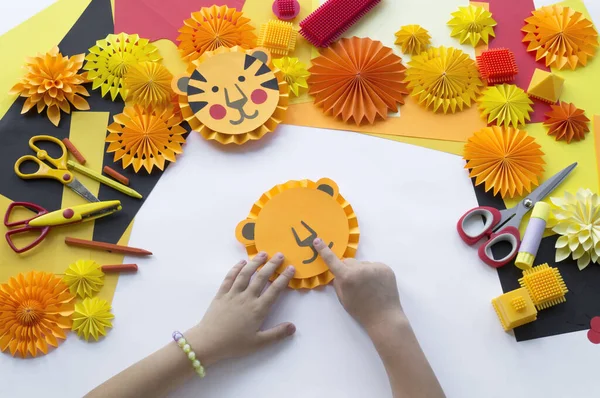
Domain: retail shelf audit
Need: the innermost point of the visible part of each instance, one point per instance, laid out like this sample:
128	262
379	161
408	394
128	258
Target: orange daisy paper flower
214	27
53	81
35	310
567	122
146	137
358	79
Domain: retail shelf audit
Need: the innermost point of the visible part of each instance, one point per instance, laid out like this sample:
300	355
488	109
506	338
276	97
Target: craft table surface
407	200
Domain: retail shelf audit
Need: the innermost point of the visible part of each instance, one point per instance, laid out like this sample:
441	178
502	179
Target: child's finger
259	282
335	264
241	282
279	285
230	277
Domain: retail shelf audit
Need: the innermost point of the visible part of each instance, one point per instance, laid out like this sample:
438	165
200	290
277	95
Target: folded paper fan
214	27
290	216
472	24
507	160
413	39
146	137
84	278
52	81
576	219
149	85
561	35
233	95
443	79
358	79
35	311
110	59
294	72
567	122
92	317
505	105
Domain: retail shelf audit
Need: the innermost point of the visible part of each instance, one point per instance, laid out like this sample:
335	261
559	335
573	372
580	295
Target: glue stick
533	235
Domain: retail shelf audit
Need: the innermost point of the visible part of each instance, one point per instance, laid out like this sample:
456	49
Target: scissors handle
39	210
509	235
477	223
43	171
24	227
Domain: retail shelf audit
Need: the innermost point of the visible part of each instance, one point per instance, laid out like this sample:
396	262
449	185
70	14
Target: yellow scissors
59	173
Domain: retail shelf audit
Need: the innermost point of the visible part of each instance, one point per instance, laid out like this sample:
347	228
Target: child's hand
231	326
368	291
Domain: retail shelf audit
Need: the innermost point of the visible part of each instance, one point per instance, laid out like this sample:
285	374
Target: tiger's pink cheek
217	112
258	96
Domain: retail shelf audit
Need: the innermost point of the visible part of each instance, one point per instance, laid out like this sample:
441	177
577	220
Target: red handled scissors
503	225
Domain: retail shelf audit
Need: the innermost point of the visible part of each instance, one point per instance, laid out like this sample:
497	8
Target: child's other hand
231	326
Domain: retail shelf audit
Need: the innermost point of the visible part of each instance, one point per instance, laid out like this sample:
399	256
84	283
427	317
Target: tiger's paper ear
179	84
328	186
244	232
262	54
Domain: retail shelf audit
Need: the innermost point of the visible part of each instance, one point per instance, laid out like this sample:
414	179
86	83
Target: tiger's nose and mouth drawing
238	105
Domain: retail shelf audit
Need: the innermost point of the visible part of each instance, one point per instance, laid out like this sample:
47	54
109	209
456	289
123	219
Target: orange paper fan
35	310
214	27
358	79
561	35
290	216
149	85
146	137
507	160
567	122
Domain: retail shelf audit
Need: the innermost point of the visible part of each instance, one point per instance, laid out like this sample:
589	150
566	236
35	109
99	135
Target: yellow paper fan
110	59
84	278
472	24
507	160
413	39
294	72
443	79
149	85
505	105
561	35
146	137
92	317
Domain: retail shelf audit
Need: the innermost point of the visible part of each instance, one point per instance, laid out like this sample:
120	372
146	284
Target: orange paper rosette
567	122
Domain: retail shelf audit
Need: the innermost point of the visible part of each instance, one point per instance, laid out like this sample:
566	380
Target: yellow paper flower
443	79
149	85
505	105
92	317
35	311
472	24
294	73
146	137
53	81
84	278
110	59
413	38
576	219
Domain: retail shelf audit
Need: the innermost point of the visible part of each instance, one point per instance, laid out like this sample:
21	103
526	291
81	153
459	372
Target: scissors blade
544	190
82	191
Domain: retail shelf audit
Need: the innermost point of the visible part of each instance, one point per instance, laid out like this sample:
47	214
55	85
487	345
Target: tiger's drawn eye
215	89
242	79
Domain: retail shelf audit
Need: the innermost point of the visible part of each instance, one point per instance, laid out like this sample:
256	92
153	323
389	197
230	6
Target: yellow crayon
103	179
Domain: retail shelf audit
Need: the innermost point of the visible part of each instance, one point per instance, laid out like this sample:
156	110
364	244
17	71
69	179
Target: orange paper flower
52	81
35	310
214	27
561	35
149	85
357	79
507	160
567	122
146	138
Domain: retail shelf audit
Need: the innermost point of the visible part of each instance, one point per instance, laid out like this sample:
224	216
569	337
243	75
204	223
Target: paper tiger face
232	92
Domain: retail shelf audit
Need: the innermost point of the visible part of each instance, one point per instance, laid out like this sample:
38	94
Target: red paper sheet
159	19
510	15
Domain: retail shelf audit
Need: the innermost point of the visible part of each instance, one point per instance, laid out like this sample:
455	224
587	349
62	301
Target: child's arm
369	293
230	328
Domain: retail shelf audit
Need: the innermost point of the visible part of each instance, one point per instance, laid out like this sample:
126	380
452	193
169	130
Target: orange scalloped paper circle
233	97
289	216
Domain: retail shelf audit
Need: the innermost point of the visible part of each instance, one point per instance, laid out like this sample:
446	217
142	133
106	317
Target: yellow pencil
103	179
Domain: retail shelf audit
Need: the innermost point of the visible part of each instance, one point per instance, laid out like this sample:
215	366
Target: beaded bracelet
182	342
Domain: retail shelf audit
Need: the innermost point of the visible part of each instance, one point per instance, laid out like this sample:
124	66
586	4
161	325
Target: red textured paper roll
116	175
71	148
119	268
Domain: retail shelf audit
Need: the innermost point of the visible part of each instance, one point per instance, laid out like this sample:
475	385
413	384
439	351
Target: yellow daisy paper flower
149	85
413	39
110	59
505	105
294	73
472	24
84	278
92	317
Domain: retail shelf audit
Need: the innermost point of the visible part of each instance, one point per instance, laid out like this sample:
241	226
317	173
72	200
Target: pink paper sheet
160	19
510	15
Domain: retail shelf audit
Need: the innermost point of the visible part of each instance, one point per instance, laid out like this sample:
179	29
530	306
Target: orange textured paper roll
119	268
71	148
116	175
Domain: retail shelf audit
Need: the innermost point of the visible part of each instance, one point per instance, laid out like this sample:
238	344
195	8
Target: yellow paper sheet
36	35
452	147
